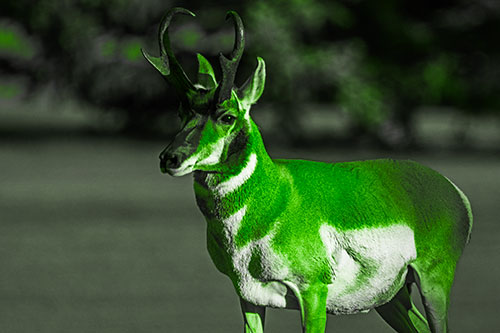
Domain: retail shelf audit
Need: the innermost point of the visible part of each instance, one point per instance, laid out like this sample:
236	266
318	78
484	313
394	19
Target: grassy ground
94	239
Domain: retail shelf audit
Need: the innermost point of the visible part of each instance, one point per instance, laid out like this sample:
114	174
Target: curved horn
167	63
229	66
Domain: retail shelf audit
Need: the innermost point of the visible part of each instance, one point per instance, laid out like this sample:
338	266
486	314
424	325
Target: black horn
167	64
229	66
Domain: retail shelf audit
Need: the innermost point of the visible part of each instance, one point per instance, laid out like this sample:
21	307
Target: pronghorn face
204	140
210	137
212	112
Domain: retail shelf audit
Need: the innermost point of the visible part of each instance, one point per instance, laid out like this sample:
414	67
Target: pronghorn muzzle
169	161
178	158
176	163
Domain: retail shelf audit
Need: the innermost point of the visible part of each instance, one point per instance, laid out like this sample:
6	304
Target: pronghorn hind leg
402	315
435	287
254	317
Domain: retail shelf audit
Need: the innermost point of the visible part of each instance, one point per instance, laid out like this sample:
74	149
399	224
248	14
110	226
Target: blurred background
94	239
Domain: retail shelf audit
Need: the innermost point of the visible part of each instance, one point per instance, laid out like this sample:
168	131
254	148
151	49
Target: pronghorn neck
214	189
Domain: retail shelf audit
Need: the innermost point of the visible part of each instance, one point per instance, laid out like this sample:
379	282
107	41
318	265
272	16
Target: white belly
368	265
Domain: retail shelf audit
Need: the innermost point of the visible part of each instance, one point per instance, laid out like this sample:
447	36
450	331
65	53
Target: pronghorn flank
321	238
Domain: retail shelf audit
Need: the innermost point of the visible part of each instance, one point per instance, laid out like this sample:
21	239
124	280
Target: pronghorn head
214	114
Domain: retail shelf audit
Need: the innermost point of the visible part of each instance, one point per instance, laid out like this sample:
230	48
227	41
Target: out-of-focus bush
377	61
87	49
90	50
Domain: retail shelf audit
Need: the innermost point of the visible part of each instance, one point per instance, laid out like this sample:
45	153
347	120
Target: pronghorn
321	238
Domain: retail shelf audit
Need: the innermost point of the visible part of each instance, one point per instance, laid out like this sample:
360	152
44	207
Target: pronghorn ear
206	76
253	88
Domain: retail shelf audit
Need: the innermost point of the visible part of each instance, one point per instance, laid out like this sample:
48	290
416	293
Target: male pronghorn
321	238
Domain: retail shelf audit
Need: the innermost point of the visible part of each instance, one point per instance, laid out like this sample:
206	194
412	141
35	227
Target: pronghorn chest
254	266
240	220
240	244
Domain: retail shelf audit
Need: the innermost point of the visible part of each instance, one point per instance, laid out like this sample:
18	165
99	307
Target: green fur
349	195
293	198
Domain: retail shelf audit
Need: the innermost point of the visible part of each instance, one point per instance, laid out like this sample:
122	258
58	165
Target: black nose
169	161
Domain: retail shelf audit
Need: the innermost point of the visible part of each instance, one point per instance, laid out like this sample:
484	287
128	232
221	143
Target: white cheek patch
215	154
383	253
189	162
230	185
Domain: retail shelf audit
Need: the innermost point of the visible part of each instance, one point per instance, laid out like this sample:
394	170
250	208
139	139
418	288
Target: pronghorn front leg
314	309
254	317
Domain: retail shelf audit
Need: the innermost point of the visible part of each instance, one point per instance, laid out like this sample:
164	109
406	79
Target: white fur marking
383	253
216	152
236	181
256	291
213	158
253	290
338	257
189	162
232	223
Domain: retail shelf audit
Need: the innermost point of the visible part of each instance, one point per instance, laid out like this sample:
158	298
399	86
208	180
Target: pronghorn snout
169	161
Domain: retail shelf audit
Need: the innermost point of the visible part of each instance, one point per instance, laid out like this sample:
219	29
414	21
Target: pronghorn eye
228	119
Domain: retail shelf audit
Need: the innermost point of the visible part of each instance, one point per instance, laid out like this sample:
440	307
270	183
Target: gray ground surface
94	239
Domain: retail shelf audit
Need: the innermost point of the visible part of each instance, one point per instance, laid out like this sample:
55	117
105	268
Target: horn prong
167	64
160	63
